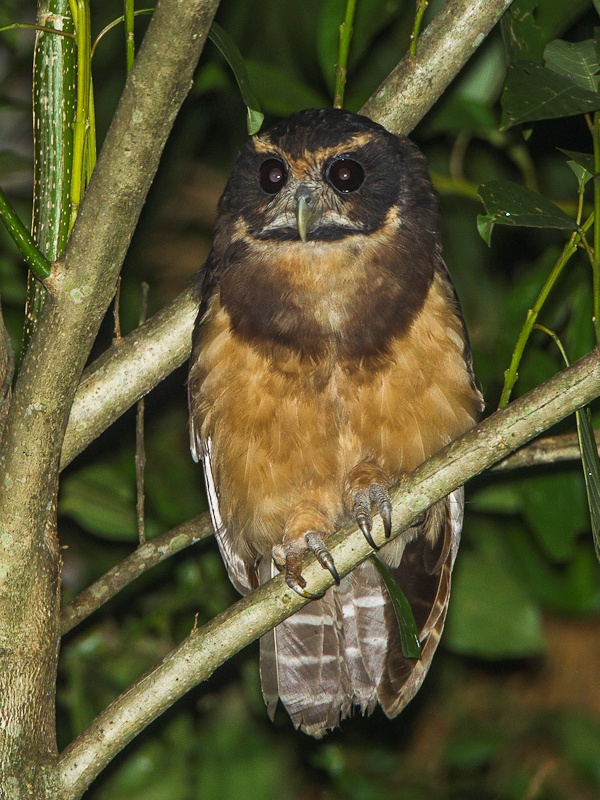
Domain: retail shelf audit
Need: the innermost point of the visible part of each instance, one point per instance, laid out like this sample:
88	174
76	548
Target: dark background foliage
511	708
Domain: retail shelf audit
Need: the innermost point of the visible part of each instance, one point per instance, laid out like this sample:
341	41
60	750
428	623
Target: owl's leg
305	532
366	485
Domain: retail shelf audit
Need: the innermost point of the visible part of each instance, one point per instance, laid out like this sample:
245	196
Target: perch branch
205	649
549	450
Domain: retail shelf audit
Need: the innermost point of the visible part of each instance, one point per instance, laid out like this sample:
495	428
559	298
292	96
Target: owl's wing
241	574
342	652
427	588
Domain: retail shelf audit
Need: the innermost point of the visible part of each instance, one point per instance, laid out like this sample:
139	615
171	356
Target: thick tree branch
143	558
549	450
448	42
207	648
115	382
80	289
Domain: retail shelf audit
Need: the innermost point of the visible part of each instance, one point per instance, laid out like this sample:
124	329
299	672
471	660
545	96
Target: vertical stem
129	34
341	70
81	145
53	114
512	373
140	451
30	555
414	37
596	258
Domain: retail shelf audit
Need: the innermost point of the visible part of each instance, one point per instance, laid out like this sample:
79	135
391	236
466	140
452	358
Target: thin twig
140	450
129	17
37	263
141	560
414	37
542	452
117	335
341	69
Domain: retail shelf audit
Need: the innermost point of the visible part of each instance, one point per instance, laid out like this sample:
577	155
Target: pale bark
80	290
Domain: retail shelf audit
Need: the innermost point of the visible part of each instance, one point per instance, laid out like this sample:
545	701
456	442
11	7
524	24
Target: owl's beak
306	210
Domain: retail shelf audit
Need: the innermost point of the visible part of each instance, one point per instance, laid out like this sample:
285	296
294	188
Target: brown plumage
329	358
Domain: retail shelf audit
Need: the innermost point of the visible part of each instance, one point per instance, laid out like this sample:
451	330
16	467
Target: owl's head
327	174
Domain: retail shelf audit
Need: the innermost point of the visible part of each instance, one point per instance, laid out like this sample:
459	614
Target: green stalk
83	156
341	70
129	33
414	37
511	374
596	258
53	114
37	263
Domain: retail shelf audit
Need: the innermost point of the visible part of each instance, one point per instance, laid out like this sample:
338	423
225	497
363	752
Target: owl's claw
317	546
362	515
363	498
289	558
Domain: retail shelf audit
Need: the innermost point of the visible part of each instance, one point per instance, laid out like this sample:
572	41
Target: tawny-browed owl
329	358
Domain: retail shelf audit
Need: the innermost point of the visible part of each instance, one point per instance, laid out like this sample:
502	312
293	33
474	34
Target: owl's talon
366	530
379	495
363	498
293	582
289	558
317	546
362	515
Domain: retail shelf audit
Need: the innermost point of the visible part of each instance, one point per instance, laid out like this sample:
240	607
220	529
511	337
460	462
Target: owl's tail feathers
342	652
328	658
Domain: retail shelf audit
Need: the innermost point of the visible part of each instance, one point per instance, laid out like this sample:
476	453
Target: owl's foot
289	557
363	498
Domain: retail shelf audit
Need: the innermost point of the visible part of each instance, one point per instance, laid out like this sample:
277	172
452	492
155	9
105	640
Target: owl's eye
272	175
345	175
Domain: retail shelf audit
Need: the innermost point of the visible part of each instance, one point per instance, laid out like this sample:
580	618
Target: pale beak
306	211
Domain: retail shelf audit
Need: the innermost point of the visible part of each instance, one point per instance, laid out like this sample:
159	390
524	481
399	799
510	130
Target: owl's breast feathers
356	369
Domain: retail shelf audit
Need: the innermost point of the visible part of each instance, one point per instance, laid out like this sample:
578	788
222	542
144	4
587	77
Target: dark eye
272	175
345	175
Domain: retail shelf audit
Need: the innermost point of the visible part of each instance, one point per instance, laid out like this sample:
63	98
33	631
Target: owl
330	358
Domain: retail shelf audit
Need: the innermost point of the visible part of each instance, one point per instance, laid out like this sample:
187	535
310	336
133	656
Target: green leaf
279	93
254	120
532	92
509	203
101	500
582	165
409	636
591	471
577	61
555	508
530	24
230	52
490	614
498	498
